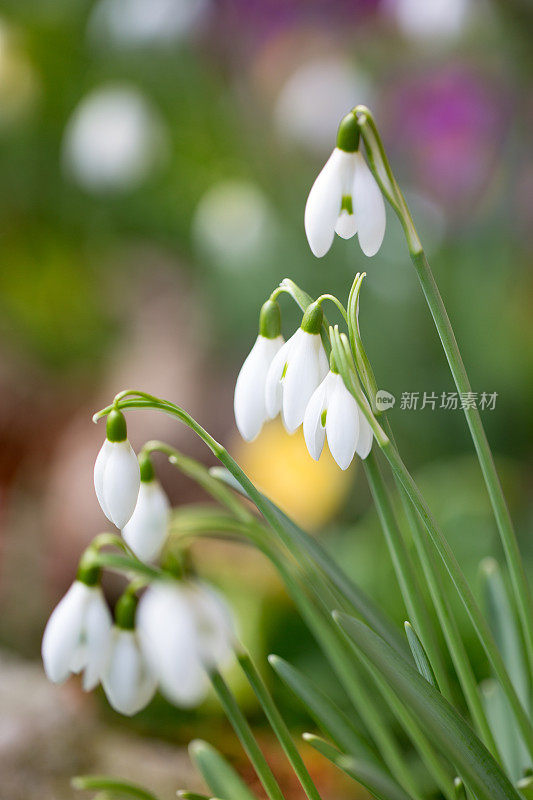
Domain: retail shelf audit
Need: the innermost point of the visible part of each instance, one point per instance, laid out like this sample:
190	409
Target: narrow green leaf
186	795
367	773
115	786
419	655
442	723
504	625
506	733
277	723
361	604
219	775
327	715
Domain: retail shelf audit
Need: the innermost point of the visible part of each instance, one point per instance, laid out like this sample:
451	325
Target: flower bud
116	472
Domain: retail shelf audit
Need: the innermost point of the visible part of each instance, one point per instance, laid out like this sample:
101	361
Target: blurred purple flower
264	18
450	125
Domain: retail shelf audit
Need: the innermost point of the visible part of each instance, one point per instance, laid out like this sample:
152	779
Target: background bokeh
155	157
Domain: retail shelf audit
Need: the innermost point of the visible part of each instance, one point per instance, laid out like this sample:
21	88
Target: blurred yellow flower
309	491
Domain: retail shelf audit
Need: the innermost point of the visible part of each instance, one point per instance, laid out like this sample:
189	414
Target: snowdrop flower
146	530
345	198
126	677
333	411
184	628
77	635
249	401
116	472
296	371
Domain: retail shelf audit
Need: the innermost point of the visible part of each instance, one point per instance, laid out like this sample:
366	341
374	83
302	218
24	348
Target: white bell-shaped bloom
77	635
183	628
333	412
345	198
117	480
146	531
294	374
126	678
249	401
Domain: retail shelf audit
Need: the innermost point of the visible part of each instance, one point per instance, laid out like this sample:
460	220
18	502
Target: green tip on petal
146	468
270	320
116	428
313	318
348	134
125	610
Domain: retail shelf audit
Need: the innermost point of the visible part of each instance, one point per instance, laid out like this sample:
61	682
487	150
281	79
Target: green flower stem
449	626
501	512
343	357
405	572
432	573
383	172
199	473
336	302
124	564
278	725
246	737
463	589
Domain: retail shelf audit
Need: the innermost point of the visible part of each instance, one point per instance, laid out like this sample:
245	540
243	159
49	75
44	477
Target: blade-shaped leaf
504	625
114	787
419	655
441	722
219	775
368	774
362	604
324	711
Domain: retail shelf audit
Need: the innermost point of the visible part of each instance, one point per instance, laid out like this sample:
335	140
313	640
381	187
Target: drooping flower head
146	531
184	629
345	198
127	680
249	401
77	635
116	472
333	412
296	371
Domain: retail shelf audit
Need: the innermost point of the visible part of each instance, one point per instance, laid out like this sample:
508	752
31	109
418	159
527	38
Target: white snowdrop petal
324	202
128	685
99	468
146	531
216	625
314	431
342	424
365	438
302	377
121	481
273	390
346	225
369	208
63	632
249	401
169	642
97	626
